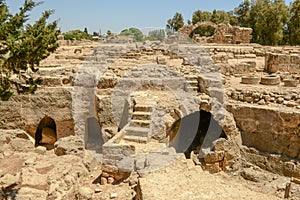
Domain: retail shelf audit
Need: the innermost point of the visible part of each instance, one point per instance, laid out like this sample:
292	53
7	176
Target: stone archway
185	138
46	132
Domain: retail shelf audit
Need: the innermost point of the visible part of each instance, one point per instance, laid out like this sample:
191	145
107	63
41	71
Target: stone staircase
193	82
139	128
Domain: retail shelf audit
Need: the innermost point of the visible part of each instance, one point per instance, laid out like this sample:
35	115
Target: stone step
137	131
137	139
191	77
140	123
193	88
193	83
143	108
141	115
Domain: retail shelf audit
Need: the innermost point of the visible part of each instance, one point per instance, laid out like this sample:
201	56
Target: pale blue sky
116	15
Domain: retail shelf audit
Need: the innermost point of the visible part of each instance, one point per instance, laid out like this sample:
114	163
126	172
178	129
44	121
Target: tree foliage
22	47
243	13
156	35
268	20
272	22
201	16
294	23
175	23
134	32
77	35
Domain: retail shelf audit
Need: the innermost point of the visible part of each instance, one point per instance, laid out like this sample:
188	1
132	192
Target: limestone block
72	145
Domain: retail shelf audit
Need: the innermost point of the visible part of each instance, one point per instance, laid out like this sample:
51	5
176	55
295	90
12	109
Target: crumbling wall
283	62
270	130
25	111
224	33
271	137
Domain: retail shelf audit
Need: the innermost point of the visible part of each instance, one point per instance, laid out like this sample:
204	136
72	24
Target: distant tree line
138	36
273	22
135	33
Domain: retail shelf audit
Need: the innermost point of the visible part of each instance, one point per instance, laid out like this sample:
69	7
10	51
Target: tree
136	33
294	23
220	16
77	35
201	16
22	47
243	13
96	33
175	23
109	33
270	20
86	31
156	35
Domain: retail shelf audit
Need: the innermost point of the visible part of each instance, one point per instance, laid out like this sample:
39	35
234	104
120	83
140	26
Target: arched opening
45	134
195	131
94	139
203	31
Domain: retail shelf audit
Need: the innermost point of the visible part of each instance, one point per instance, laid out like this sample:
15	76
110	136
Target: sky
117	15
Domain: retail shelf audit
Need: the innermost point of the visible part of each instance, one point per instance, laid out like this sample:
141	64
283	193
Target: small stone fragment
110	180
85	192
98	190
103	181
113	195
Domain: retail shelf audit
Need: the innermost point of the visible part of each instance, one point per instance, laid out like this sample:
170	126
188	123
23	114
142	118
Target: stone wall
269	130
277	98
224	33
26	111
283	62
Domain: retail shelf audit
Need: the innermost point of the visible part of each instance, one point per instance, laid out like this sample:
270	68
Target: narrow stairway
139	128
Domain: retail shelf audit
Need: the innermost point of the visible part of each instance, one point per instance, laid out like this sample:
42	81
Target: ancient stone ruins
157	120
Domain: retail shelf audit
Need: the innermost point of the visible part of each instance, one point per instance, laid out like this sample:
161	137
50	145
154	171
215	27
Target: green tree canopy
22	47
270	20
201	16
77	35
243	13
175	23
136	33
220	16
156	35
294	23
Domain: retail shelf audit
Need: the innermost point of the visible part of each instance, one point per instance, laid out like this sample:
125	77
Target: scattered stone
110	180
113	195
280	100
98	190
105	174
9	179
30	161
90	161
31	193
213	157
262	102
252	175
72	145
21	145
30	176
103	181
85	193
40	150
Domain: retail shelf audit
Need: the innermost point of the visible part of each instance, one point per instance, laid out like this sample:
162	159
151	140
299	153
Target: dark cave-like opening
46	132
195	131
